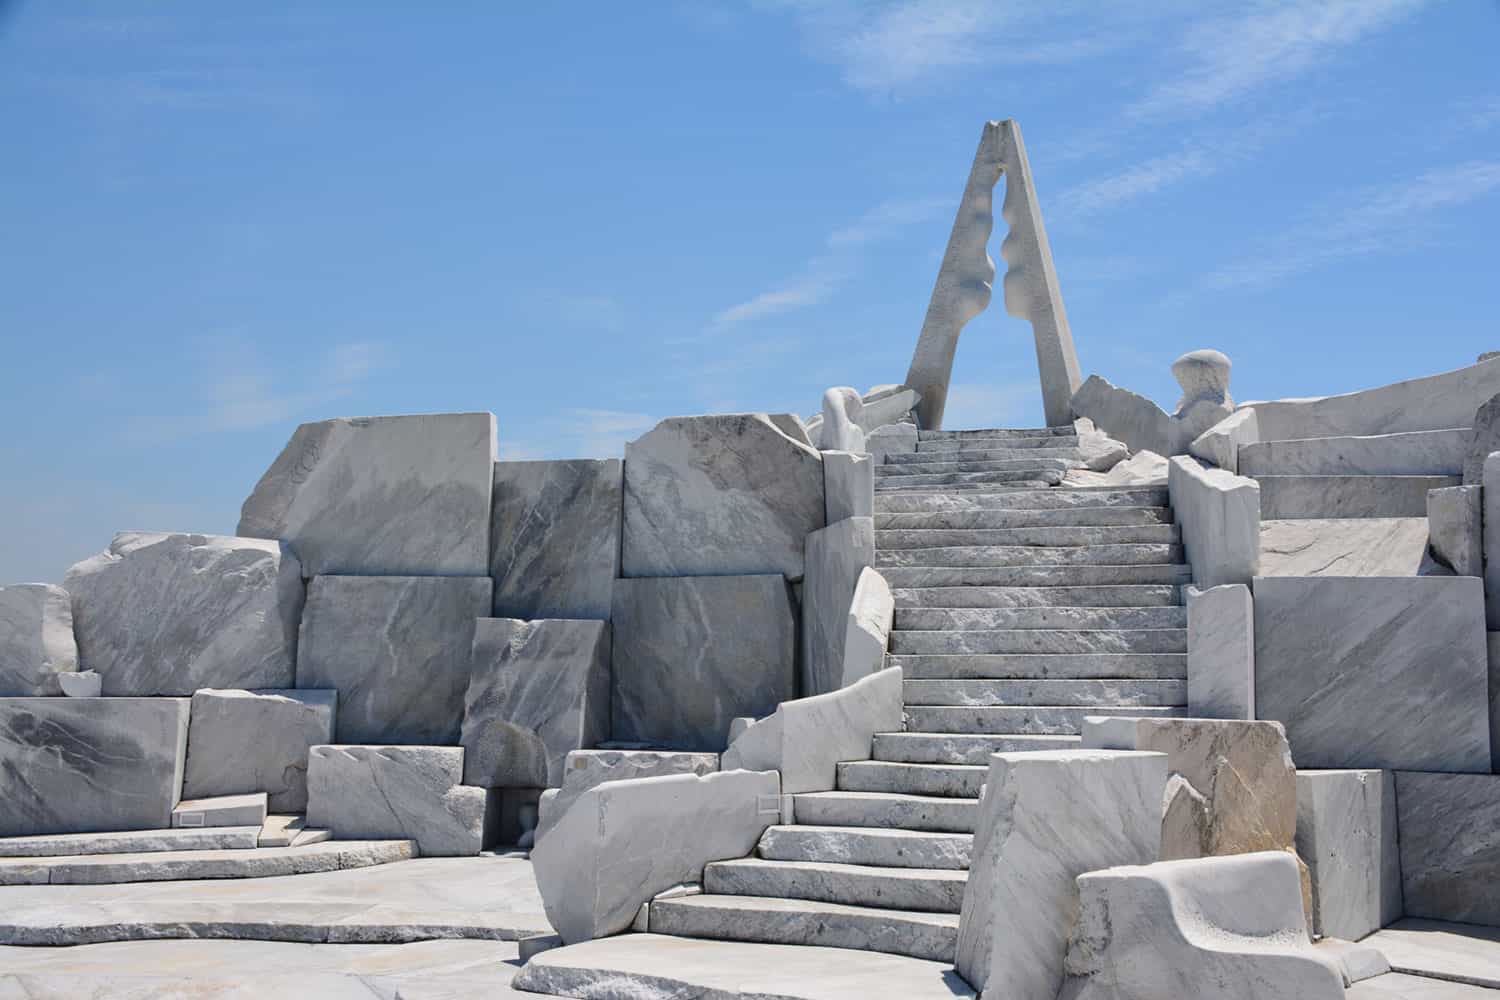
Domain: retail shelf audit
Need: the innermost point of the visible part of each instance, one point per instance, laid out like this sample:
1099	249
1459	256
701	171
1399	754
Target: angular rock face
36	639
555	538
1352	546
1140	423
1486	439
1346	832
719	495
80	765
849	485
256	741
1450	860
397	650
401	495
836	556
1221	443
1221	652
1220	518
586	769
537	690
399	792
167	614
693	653
891	439
1454	530
867	630
843	409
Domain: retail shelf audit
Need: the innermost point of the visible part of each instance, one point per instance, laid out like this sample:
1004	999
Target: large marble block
1454	528
1221	652
82	765
405	495
256	741
1484	439
400	793
36	639
849	485
167	614
1346	832
729	494
555	538
397	650
537	690
586	769
1373	672
1490	537
1046	818
867	630
1220	517
836	556
1450	854
691	654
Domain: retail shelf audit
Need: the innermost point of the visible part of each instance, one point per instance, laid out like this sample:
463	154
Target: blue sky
223	220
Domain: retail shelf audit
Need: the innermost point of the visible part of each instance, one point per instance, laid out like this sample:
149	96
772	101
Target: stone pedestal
1346	832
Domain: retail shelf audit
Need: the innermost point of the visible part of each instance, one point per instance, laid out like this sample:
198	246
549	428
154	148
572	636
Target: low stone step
801	922
1285	497
1038	640
998	432
938	468
952	780
1072	535
979	619
927	890
941	446
221	810
171	866
988	519
1044	448
907	577
867	846
1082	693
223	838
1099	596
886	809
962	748
1410	453
1046	481
1041	666
1039	478
1032	720
1031	499
1031	555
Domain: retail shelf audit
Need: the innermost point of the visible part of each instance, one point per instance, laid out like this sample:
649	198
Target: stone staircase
1381	475
1020	608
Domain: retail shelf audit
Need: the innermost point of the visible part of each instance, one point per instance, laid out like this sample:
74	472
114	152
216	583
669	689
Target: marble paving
1462	953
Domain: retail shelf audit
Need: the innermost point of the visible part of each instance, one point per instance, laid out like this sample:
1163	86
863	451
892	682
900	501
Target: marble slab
1450	855
836	556
1343	546
1346	832
256	741
1221	652
36	639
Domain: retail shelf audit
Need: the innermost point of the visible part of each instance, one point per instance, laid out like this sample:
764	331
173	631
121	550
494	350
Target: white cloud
809	289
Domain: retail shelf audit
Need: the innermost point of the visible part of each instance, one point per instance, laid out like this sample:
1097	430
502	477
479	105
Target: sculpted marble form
36	639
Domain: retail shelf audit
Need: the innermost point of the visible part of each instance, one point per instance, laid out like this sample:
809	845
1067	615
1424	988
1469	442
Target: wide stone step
1411	453
801	922
981	619
886	809
1032	555
909	577
172	866
912	779
1108	596
1038	478
1072	535
223	838
1034	720
1082	693
1040	666
1029	499
886	472
1044	449
940	446
962	748
1064	517
852	845
927	890
998	432
1286	497
1037	640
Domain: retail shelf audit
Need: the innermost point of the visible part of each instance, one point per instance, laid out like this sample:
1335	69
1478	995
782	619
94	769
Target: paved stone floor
1462	953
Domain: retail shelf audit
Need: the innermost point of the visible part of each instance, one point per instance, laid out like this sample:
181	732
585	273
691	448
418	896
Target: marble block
1219	513
792	426
1346	832
81	684
396	648
720	495
537	690
167	614
891	439
256	741
693	653
1143	426
1375	671
836	556
1454	528
843	409
1485	439
867	630
1492	646
1344	546
83	765
585	769
849	485
555	538
36	639
1220	445
1022	898
399	793
1144	468
405	495
1450	854
221	811
1490	534
1221	652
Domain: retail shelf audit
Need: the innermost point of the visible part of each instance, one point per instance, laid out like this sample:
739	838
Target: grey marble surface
36	639
1482	439
1221	652
1450	856
400	495
1343	546
1141	424
555	538
75	765
1219	513
167	614
1415	453
867	627
1346	833
584	769
537	690
836	556
1220	445
1375	671
396	649
848	485
1454	527
1490	534
256	741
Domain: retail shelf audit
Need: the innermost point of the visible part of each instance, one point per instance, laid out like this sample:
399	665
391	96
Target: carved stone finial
1203	375
842	409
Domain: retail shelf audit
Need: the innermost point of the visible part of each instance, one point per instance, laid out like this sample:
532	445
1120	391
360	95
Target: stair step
173	866
1040	537
1009	598
939	468
949	446
1045	448
1084	693
1286	497
222	838
953	780
1038	478
932	936
1410	453
1017	500
962	748
909	577
1038	640
867	846
1066	430
1031	720
1040	666
927	890
983	619
1031	555
996	518
886	809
